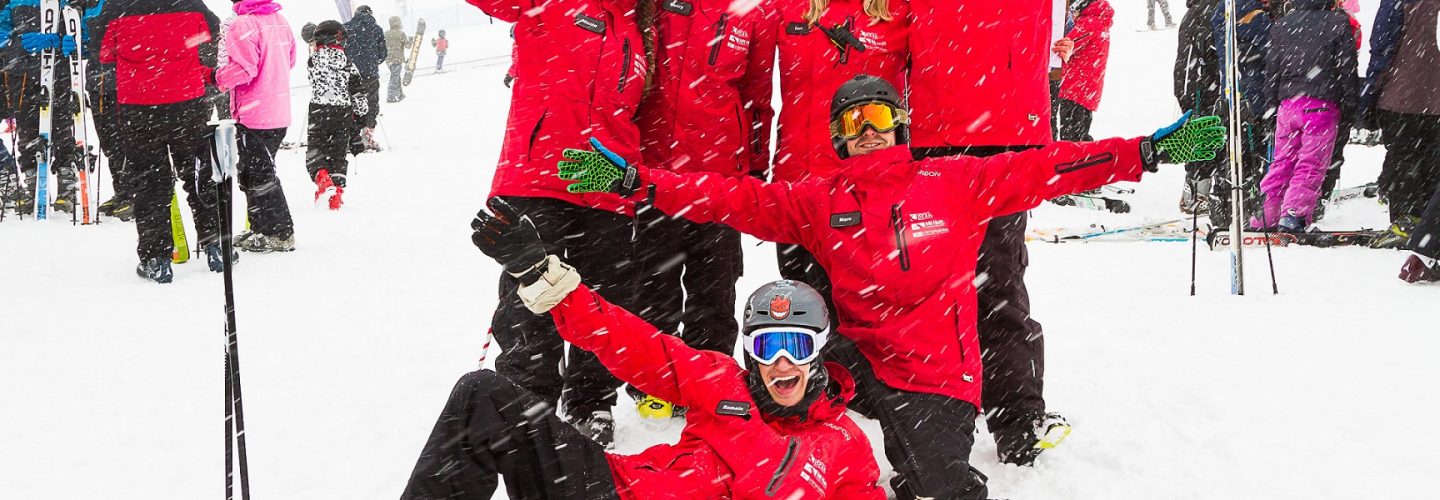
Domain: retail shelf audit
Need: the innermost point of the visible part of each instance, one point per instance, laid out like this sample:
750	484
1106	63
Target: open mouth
785	385
871	144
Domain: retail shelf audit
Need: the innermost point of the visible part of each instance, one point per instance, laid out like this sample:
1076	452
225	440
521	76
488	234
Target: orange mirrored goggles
881	116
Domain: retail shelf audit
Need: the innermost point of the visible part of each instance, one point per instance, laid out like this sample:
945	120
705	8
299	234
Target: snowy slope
111	387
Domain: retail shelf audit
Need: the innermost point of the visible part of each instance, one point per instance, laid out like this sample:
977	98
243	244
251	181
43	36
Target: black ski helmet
863	89
307	33
329	33
792	304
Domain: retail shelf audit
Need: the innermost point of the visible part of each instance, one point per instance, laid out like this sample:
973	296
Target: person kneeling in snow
900	239
776	430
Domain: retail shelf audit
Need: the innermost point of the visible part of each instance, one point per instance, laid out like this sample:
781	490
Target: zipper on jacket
898	222
784	467
624	67
719	38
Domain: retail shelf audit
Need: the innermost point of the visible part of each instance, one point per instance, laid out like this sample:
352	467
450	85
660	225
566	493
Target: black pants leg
269	212
1412	161
1074	121
371	85
490	427
158	136
1425	238
687	278
597	244
328	141
927	436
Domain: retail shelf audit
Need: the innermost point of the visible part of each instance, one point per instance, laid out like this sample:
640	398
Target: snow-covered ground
110	387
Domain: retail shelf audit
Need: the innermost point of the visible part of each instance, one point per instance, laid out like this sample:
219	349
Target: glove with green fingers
1185	141
597	170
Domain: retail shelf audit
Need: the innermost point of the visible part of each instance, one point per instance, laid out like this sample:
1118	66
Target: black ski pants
687	277
1072	121
371	86
1425	238
1411	170
1012	344
269	212
1255	157
104	111
328	141
491	427
927	436
161	142
598	244
64	156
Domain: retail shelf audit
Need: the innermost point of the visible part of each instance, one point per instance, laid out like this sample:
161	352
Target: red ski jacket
728	448
812	68
163	52
900	239
711	90
979	72
579	71
1084	78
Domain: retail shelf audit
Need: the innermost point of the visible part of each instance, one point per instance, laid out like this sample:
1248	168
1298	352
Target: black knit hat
330	33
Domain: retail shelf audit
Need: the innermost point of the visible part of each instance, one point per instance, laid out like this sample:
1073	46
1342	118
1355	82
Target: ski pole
225	158
1194	229
485	349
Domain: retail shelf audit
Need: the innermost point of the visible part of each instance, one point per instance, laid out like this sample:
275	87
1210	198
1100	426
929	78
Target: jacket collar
832	403
260	7
887	166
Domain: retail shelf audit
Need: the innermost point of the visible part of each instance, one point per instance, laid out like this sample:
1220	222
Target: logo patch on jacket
733	408
925	224
678	6
780	307
590	24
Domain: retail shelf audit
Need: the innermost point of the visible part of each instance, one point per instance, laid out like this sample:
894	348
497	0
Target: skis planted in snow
74	28
414	52
177	231
49	24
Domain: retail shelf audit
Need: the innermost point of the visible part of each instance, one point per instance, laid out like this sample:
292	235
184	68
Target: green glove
1189	140
597	170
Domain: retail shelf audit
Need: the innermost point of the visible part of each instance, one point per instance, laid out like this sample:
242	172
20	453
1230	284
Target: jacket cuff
555	282
1150	156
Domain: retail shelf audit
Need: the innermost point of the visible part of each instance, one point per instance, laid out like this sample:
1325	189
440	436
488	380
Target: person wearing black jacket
1310	77
1197	89
365	44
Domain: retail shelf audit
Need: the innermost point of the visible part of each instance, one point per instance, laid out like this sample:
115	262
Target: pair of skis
52	18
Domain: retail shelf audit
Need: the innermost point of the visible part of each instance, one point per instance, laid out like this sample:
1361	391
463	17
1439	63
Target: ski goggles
799	345
878	115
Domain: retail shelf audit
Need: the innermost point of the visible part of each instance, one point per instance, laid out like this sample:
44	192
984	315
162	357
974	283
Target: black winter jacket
365	44
1197	66
1312	53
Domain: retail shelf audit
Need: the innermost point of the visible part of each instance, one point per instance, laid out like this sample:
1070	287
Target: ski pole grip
227	155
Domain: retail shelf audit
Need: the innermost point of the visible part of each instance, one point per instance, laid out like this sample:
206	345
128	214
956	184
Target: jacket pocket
535	135
775	480
626	52
897	222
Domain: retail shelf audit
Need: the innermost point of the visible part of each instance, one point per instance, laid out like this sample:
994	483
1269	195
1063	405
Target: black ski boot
215	258
598	426
1045	431
156	269
1398	234
1291	224
1417	270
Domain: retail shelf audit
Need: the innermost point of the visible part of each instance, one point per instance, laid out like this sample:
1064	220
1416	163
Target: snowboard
414	52
1220	239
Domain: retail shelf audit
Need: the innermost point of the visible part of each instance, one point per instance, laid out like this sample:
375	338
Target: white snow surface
111	387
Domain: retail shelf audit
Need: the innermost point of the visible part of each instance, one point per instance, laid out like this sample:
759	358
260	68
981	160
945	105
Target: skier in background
1197	85
163	113
442	45
22	42
703	68
577	74
395	43
1164	11
1311	77
365	44
336	98
900	239
1401	97
1083	74
260	51
775	429
819	46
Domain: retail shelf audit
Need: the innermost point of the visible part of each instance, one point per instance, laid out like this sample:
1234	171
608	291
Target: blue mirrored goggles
799	345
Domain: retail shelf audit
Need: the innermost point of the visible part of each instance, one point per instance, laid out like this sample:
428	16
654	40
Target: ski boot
1047	431
262	243
124	211
1398	234
599	427
1420	269
25	206
653	408
64	203
324	185
1290	223
337	200
215	258
156	269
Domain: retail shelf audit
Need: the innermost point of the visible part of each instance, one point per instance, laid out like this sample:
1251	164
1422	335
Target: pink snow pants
1304	138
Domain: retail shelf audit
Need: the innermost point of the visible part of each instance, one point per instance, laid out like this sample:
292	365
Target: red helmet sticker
780	307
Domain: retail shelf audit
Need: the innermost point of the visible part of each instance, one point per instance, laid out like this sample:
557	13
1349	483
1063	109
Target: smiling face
785	381
870	141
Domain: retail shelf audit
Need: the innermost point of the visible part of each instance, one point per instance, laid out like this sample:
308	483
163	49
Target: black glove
508	237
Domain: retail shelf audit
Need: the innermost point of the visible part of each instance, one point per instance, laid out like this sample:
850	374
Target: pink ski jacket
260	53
